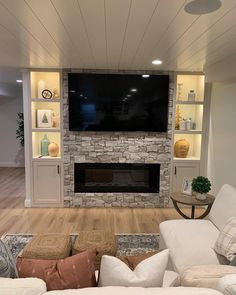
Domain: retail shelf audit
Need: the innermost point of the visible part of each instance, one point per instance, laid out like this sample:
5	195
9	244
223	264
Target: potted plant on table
201	185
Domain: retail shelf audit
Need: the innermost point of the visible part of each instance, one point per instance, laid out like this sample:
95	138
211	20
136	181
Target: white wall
222	136
224	70
11	102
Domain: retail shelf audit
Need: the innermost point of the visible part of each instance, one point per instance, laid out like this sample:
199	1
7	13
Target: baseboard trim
11	164
27	203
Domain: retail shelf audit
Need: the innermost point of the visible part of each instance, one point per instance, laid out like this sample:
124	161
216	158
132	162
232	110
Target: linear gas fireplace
116	177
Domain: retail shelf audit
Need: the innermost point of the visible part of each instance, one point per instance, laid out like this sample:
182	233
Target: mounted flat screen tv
112	102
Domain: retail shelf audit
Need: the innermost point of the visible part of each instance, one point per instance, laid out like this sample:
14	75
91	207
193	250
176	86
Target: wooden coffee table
180	198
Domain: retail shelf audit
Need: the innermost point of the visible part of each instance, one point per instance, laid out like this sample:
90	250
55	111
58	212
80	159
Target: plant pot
201	197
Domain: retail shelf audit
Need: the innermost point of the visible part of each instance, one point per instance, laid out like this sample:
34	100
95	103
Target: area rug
127	244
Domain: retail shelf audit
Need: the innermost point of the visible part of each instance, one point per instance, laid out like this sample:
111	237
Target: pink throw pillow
73	272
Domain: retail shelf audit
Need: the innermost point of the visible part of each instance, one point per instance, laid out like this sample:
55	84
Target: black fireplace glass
116	177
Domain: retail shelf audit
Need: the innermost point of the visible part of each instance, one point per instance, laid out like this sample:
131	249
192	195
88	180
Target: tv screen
112	102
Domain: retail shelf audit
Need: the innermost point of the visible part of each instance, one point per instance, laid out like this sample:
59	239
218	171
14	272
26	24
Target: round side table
180	198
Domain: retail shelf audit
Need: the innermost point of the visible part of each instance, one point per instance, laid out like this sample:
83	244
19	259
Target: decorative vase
44	145
55	120
41	87
191	95
181	148
53	149
201	197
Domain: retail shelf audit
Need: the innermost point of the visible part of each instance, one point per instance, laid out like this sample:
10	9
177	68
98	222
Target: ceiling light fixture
202	6
156	62
134	89
19	81
145	76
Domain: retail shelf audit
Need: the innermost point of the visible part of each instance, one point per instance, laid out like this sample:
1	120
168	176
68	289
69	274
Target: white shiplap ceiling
114	34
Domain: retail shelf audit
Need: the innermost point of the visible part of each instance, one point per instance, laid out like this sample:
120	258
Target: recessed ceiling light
202	6
145	76
19	81
128	95
134	89
156	62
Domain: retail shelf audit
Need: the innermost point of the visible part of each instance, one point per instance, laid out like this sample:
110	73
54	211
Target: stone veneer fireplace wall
116	147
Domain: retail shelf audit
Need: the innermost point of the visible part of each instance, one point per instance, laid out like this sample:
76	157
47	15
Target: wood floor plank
16	219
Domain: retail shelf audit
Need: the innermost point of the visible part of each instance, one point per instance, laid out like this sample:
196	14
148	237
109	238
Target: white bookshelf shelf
40	158
46	130
192	131
187	159
46	100
189	102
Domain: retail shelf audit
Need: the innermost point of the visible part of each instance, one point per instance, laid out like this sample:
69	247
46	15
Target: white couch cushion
171	279
206	276
28	286
224	206
148	273
190	242
137	291
227	285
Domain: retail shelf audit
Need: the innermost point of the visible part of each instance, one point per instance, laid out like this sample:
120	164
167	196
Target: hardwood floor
12	187
14	218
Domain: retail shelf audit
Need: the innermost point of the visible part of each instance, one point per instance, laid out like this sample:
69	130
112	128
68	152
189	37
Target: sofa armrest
27	286
227	285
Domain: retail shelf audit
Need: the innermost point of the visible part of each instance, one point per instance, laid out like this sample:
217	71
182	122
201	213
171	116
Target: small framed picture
187	186
44	118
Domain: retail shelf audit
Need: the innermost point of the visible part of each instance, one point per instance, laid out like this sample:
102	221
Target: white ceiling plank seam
126	26
69	36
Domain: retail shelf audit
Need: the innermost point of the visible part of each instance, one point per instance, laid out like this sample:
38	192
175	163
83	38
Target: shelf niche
194	140
185	83
53	106
195	112
36	143
44	80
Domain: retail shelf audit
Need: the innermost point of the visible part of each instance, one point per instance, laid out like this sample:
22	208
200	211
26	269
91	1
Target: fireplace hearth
116	177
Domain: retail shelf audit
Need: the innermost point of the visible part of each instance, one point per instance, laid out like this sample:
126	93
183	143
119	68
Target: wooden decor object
177	118
53	149
181	148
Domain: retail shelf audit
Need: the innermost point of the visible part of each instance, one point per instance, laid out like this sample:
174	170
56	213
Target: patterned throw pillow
226	241
7	263
73	272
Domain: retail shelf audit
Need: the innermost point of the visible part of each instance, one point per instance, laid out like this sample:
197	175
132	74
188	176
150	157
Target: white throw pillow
226	242
148	273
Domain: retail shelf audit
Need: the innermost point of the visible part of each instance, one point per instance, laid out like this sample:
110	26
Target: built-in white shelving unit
185	107
42	117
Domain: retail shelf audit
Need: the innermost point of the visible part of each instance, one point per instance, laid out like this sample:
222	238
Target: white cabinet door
46	183
182	170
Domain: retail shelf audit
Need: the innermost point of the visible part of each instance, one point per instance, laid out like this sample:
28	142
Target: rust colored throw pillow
133	261
73	272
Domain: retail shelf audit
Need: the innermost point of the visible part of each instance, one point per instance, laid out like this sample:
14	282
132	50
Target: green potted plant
201	186
20	128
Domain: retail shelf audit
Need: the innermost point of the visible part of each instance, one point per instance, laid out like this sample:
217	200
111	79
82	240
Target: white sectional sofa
32	286
191	242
